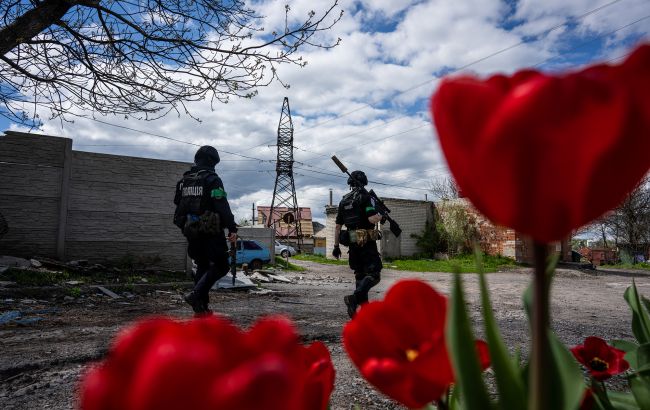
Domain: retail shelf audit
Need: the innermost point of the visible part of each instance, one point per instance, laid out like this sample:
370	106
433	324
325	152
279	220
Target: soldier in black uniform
202	212
357	212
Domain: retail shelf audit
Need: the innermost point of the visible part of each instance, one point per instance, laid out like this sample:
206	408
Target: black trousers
366	264
211	257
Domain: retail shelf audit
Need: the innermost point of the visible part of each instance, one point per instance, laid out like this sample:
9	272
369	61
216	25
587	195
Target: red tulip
208	363
602	360
546	154
588	400
398	344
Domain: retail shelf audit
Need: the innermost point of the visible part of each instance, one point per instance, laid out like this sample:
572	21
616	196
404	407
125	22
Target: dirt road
41	362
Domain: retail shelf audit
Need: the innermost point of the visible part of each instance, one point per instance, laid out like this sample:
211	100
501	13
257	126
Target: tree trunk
32	23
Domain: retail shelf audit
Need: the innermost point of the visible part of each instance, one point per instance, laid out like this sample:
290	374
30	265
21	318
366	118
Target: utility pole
253	219
285	214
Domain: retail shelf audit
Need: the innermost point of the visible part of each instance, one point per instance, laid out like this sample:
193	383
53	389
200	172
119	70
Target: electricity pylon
285	215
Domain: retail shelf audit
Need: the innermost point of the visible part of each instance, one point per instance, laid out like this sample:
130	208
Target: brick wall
499	240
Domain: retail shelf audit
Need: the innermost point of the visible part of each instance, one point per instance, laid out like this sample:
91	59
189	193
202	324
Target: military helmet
206	156
357	178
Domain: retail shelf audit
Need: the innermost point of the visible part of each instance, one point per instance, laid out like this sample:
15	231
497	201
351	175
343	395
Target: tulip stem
540	348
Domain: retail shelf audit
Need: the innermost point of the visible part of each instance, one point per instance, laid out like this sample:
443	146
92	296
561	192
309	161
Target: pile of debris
268	276
77	266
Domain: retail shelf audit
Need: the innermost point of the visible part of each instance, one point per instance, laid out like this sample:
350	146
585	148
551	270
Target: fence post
64	199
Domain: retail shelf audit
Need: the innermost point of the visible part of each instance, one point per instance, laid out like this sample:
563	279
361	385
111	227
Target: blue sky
366	100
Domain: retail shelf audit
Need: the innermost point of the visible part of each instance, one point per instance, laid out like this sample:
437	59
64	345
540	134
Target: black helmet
357	178
206	156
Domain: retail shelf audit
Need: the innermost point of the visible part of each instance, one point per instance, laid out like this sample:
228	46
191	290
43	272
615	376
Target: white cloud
354	94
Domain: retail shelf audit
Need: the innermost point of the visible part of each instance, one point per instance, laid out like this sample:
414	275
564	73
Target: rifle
381	208
233	261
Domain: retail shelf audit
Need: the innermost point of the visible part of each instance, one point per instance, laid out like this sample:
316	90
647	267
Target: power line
538	64
479	60
584	43
371	182
470	64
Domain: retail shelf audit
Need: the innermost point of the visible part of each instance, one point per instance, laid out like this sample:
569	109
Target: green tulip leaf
566	376
642	357
640	319
645	302
567	383
462	345
454	400
512	392
640	385
623	401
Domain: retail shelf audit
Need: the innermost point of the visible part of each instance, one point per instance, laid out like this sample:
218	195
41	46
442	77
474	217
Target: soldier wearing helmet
202	212
357	212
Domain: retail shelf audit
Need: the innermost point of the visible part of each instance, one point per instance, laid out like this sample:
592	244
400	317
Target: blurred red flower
602	360
209	363
588	400
398	344
546	154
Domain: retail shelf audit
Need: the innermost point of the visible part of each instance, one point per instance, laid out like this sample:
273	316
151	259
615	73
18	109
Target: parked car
284	250
253	253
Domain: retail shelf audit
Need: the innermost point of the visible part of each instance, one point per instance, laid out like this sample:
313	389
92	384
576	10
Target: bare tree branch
143	58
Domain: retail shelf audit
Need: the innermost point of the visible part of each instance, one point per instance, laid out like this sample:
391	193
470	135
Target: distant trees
454	229
628	226
443	188
142	57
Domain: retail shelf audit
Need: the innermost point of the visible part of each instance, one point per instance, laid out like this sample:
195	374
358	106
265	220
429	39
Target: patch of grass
319	258
75	292
641	266
27	277
282	263
466	264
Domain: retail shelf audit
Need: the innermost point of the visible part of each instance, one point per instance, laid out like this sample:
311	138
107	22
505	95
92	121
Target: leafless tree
443	188
629	224
142	58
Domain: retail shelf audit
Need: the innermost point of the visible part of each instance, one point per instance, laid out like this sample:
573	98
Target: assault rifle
381	208
233	261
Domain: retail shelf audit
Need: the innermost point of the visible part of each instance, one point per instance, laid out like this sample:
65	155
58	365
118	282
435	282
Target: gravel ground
41	363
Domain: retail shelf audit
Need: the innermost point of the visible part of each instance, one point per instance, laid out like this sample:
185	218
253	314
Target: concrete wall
265	236
330	222
31	181
78	205
411	215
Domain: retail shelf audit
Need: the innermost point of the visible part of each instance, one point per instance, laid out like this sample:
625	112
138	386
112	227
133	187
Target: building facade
412	215
302	214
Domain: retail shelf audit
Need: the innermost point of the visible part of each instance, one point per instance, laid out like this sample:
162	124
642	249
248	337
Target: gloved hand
336	252
383	220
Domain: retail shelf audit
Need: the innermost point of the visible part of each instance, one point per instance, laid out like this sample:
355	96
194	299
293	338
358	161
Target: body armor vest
351	208
194	198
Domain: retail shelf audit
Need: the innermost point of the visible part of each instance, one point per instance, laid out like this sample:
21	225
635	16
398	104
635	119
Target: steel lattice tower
285	214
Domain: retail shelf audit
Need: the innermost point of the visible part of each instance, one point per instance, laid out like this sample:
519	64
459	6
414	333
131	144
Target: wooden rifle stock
381	208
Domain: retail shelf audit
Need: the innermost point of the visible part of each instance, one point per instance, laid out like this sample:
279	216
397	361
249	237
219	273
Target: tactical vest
194	198
351	209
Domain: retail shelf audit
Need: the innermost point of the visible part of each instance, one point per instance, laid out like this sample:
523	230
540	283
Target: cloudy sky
367	99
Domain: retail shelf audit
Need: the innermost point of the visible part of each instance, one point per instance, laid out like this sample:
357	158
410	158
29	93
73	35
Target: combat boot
193	300
351	303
